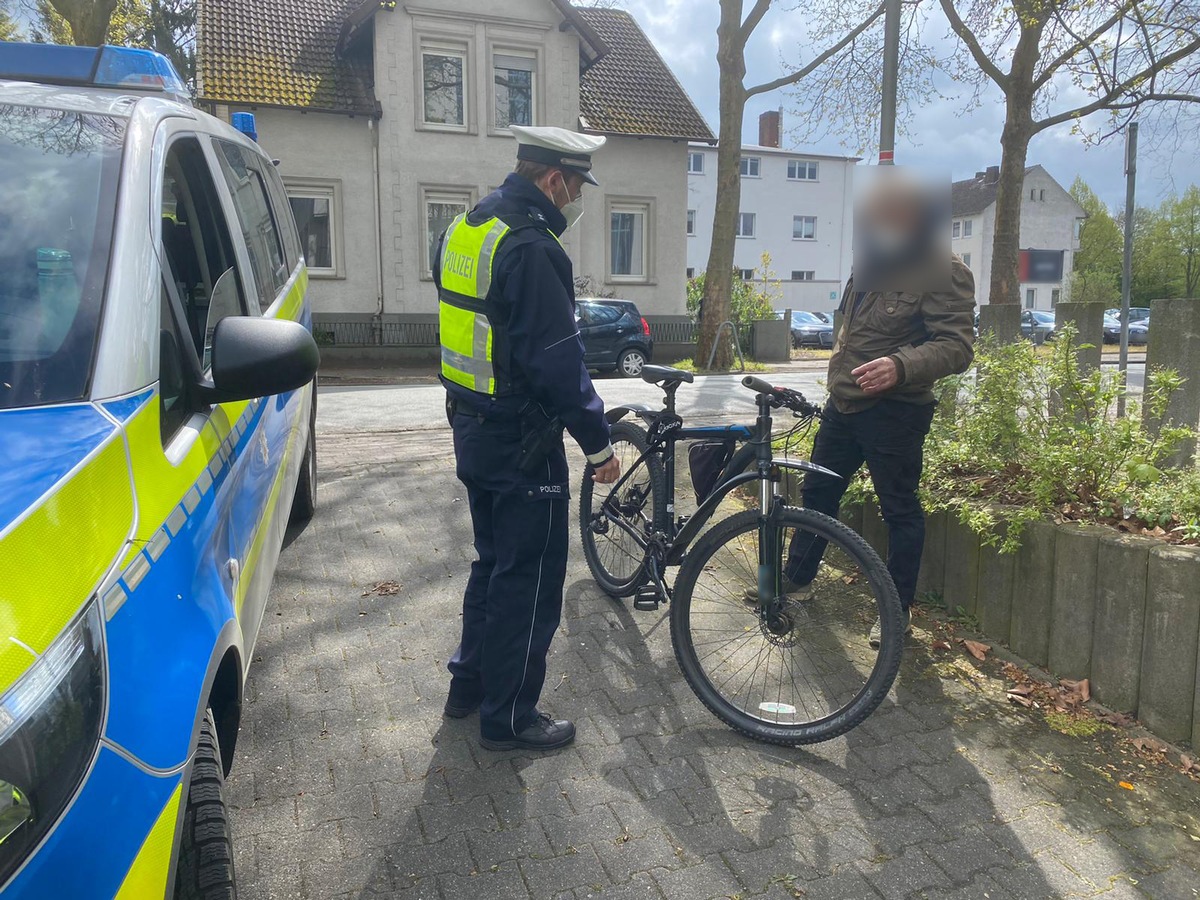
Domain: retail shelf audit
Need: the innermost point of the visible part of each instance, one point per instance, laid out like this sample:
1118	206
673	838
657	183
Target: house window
691	273
316	207
1055	293
966	258
803	275
629	235
750	166
1078	228
1041	195
443	72
1032	193
967	227
746	274
804	228
691	221
802	170
695	163
441	208
1030	298
956	229
745	225
515	78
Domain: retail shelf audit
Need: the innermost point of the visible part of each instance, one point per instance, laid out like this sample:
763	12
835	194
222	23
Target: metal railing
367	333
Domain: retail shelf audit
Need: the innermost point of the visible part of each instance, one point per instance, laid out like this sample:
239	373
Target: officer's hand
608	472
877	376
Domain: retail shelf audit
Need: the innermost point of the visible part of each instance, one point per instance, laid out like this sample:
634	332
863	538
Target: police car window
172	386
257	221
59	176
197	247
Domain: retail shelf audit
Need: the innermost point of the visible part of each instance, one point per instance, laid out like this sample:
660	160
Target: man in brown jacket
892	347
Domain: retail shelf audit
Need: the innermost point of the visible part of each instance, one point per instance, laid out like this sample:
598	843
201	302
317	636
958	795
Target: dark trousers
513	600
890	438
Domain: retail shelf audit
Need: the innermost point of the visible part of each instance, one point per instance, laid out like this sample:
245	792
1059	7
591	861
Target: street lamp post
891	66
1127	264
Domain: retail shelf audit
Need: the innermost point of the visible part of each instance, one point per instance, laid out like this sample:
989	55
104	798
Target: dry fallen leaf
1119	719
940	645
383	589
1020	695
1083	688
976	649
1149	745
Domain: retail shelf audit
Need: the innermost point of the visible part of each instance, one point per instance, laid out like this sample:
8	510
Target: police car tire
621	584
205	868
305	503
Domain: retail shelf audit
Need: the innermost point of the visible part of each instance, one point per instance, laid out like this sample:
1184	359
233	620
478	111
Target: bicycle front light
49	726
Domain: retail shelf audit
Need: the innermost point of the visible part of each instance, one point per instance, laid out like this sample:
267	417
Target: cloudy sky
685	33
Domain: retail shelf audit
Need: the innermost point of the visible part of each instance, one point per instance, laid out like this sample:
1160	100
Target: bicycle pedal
647	600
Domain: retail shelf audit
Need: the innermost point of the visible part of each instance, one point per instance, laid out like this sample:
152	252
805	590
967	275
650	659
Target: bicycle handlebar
793	400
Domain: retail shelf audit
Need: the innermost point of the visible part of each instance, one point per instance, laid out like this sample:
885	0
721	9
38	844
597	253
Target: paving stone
348	783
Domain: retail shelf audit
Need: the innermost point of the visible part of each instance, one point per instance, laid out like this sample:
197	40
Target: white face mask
572	210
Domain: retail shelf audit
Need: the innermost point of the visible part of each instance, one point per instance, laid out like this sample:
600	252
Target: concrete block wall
1082	601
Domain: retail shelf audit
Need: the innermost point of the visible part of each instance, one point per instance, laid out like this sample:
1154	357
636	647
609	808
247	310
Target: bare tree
733	33
1067	61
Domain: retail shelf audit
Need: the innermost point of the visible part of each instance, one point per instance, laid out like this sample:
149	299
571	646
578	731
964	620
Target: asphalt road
409	407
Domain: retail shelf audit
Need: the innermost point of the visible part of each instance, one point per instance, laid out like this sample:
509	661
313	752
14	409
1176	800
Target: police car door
265	481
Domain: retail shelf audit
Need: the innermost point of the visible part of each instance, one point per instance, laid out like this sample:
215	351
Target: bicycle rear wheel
612	552
802	671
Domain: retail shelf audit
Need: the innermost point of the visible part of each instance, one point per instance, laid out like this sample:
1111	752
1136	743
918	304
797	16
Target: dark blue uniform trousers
513	600
890	438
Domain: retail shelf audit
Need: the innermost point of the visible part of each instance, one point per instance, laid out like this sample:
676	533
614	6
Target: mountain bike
786	662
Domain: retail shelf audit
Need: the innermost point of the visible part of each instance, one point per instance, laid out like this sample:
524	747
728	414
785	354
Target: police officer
512	365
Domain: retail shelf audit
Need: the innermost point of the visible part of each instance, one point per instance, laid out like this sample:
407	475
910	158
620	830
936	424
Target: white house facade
1050	221
795	206
389	120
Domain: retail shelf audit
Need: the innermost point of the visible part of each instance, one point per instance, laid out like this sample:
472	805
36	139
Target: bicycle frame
665	431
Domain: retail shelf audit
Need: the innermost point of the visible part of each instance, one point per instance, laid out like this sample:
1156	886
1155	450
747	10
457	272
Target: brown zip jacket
929	335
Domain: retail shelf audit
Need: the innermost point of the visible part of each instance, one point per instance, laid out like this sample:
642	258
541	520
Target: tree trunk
718	277
1005	284
87	19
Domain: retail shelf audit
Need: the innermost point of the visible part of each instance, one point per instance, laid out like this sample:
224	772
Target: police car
156	431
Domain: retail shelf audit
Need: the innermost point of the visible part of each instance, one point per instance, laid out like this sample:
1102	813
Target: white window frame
438	193
689	273
805	275
535	57
811	237
1055	297
746	274
739	230
1031	298
691	223
322	189
645	206
694	155
746	163
809	165
956	229
966	258
967	227
443	46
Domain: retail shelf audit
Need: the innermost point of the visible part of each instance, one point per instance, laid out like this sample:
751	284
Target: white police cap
558	147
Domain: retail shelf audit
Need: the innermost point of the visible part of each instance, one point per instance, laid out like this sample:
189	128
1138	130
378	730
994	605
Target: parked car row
1139	329
810	329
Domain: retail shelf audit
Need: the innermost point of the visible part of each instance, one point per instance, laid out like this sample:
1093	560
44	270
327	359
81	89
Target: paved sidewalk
348	783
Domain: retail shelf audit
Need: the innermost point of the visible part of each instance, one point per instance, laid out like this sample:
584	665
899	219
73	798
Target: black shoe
457	710
544	734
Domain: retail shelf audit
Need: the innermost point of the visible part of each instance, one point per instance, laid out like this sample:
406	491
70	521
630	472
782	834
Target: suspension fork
770	535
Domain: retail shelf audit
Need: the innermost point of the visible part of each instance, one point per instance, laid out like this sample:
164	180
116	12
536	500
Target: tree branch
752	20
1081	43
802	73
959	27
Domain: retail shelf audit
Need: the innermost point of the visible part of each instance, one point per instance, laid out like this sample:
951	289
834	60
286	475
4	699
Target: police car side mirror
256	357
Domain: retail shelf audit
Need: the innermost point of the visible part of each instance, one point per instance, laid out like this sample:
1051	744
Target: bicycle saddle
659	374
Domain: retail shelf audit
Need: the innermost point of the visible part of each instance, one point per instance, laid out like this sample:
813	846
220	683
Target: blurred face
901	233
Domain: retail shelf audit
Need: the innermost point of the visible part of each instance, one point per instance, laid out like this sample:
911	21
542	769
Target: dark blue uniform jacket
533	274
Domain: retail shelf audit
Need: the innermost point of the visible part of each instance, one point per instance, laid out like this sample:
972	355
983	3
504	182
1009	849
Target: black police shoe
544	734
460	703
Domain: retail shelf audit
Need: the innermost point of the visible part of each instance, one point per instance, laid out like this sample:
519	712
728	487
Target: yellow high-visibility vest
468	336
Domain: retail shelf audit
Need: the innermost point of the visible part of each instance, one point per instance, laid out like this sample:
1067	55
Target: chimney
979	176
769	124
993	174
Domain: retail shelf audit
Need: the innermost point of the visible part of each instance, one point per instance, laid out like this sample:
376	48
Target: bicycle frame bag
706	462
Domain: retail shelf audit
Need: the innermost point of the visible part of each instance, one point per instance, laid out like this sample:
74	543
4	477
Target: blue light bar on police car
126	68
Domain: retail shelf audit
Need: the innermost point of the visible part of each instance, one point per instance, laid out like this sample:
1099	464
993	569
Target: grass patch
1073	725
689	365
811	353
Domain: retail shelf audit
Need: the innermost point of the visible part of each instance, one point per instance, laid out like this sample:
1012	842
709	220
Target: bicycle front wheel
797	669
612	518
